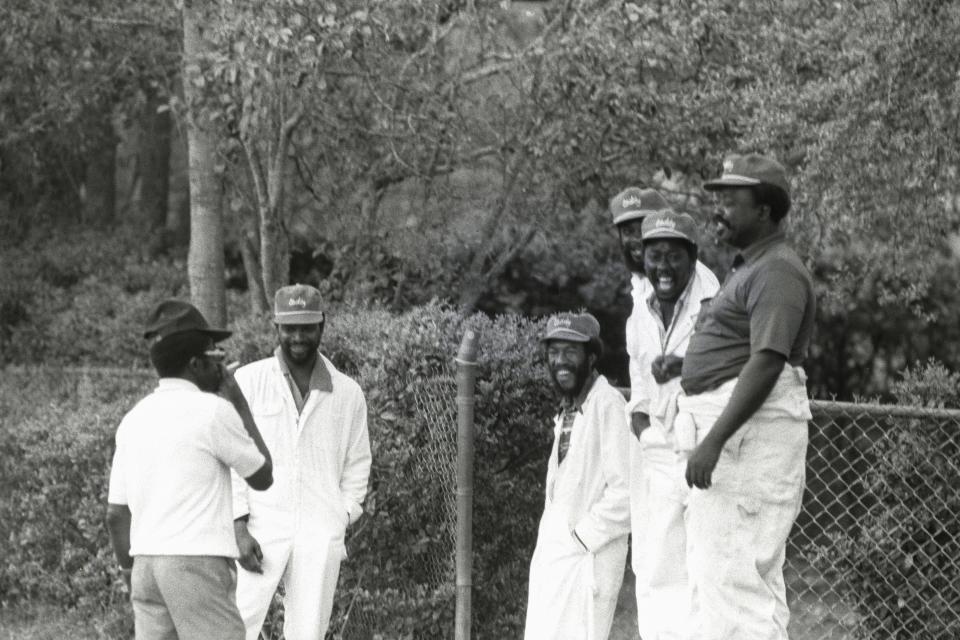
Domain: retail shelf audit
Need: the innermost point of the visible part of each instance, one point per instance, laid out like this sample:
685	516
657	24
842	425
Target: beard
299	352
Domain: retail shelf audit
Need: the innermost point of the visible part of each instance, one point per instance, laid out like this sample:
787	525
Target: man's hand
638	422
666	368
126	575
251	557
702	462
229	389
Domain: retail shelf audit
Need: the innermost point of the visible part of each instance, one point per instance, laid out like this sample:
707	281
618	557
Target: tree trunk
99	179
205	260
249	245
154	161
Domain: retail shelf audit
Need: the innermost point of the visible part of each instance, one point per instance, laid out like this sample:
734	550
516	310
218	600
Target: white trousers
737	529
658	495
309	567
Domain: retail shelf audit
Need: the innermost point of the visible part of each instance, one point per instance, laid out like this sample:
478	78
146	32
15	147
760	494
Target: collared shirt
172	466
319	379
767	302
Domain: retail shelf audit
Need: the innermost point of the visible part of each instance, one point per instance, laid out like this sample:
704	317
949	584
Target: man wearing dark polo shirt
745	392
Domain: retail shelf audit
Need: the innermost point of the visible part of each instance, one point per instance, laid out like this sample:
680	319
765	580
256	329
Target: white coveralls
573	591
658	491
321	464
737	529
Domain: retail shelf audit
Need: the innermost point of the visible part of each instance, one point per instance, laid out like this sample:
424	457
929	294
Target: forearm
118	527
239	402
755	383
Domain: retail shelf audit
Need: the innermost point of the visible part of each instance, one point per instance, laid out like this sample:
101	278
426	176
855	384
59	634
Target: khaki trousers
185	598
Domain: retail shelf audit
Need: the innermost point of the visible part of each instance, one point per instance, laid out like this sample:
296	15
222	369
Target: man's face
632	242
569	365
207	368
740	220
668	265
299	342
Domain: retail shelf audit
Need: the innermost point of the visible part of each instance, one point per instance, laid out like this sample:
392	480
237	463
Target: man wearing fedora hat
661	329
577	566
169	509
315	419
745	392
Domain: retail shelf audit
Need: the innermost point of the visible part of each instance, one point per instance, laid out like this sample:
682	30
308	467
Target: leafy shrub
898	567
400	576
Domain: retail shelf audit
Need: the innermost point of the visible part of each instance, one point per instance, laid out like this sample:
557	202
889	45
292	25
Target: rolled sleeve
231	443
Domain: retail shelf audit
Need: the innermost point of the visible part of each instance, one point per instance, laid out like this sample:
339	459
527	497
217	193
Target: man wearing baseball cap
661	329
577	566
315	419
169	506
745	392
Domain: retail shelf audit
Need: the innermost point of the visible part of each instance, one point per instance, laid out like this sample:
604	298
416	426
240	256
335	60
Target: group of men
703	468
704	465
290	429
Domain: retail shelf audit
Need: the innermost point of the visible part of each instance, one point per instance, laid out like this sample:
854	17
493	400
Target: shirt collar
174	384
760	247
320	379
575	405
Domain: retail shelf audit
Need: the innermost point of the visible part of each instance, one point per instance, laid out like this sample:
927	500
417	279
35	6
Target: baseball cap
574	327
176	316
633	203
748	171
667	224
297	304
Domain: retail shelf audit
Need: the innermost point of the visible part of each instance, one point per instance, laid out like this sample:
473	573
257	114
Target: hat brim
666	234
214	334
731	181
627	216
565	334
299	317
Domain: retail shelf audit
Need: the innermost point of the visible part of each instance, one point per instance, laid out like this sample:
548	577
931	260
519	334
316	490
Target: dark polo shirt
765	303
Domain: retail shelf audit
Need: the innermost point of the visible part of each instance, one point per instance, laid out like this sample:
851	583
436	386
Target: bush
400	576
898	567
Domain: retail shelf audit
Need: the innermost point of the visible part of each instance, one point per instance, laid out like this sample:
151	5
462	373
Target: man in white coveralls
659	332
577	566
745	391
314	419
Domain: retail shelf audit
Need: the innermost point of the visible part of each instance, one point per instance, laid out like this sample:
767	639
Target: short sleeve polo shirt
767	303
172	466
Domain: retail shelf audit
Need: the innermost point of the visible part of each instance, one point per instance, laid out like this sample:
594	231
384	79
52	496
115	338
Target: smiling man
314	418
662	328
577	567
745	391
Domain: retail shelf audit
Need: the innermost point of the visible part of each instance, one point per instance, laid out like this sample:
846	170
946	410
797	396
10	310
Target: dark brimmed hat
635	203
749	171
667	224
176	316
298	304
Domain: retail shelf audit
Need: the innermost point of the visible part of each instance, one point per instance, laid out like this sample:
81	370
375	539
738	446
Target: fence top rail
833	408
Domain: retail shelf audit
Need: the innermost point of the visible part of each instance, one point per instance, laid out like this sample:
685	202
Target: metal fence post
466	377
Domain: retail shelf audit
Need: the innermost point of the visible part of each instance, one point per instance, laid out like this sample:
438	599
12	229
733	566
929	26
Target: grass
51	623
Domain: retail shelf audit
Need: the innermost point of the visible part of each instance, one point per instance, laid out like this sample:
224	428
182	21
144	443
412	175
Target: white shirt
172	466
321	453
648	339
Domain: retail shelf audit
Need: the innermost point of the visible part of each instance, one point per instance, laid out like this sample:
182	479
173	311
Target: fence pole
466	377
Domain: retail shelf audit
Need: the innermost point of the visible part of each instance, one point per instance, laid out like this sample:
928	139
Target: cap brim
627	216
299	317
730	181
565	334
667	235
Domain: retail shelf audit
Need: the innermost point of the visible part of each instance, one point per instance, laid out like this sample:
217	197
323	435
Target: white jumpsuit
321	464
573	591
658	491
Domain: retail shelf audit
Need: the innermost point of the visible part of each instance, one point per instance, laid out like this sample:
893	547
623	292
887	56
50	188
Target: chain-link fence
875	550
